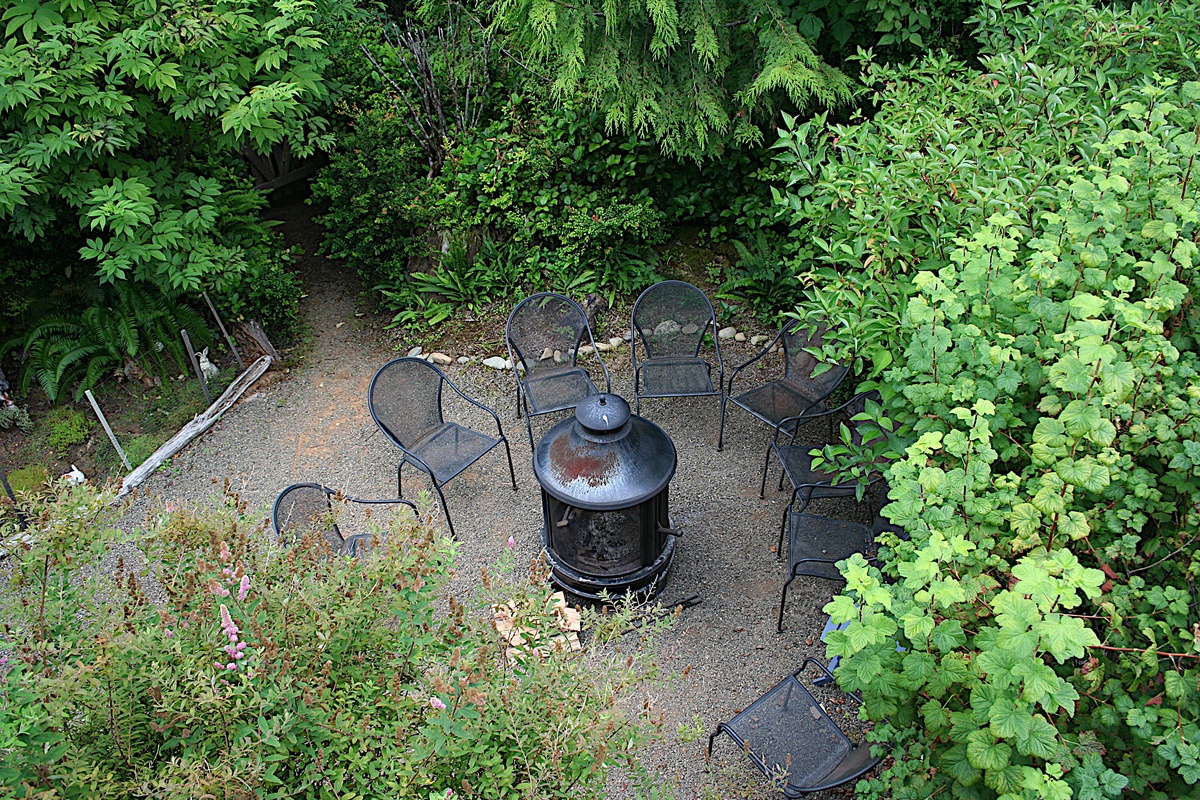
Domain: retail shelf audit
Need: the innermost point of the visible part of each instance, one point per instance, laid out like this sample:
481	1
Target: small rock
558	357
727	333
416	351
496	362
603	347
689	329
739	337
667	327
464	359
756	340
441	358
627	336
547	353
586	350
616	342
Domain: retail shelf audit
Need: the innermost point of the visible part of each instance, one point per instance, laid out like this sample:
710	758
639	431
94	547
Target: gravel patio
313	425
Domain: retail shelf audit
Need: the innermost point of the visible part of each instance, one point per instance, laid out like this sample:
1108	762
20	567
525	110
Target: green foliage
691	75
1032	229
68	428
564	207
129	330
28	479
893	27
291	673
15	416
114	114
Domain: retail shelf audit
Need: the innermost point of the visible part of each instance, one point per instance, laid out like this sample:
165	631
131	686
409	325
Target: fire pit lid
605	458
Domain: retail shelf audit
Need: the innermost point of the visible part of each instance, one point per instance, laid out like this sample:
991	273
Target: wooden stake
187	342
112	437
225	333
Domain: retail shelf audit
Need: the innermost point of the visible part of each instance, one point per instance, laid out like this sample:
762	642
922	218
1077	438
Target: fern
76	350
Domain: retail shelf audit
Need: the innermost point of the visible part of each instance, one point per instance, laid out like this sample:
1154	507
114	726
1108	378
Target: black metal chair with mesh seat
405	400
791	739
670	320
816	544
799	392
544	333
810	483
304	508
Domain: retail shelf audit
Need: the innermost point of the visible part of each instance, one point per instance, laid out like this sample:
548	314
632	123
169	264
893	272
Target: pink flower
437	703
243	588
231	665
227	624
511	541
241	646
218	665
168	633
225	554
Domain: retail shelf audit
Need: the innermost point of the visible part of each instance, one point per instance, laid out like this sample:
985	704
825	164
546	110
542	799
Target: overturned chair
791	739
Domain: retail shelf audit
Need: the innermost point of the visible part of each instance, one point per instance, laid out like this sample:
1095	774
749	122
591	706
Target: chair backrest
670	318
545	321
405	399
305	507
799	364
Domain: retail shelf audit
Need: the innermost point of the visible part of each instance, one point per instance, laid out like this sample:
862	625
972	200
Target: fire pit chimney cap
602	413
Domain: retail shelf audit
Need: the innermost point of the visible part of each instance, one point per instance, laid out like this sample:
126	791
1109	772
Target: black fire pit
604	477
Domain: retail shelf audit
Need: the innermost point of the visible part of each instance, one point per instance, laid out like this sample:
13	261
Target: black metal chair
304	508
544	333
405	400
799	392
790	738
816	544
670	319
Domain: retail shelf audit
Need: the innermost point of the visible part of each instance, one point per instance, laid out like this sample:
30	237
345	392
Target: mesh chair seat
797	466
790	738
816	544
776	401
675	377
550	390
449	449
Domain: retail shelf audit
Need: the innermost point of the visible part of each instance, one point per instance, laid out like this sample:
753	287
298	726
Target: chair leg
782	531
782	601
518	382
721	427
400	479
782	474
511	473
721	435
445	508
529	428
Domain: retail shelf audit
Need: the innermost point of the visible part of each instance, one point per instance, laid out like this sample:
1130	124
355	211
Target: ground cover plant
1010	252
271	672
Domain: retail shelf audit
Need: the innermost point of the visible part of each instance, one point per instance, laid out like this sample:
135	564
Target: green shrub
68	428
1012	254
289	673
28	479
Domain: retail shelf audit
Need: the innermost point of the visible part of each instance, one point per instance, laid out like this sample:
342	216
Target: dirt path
314	426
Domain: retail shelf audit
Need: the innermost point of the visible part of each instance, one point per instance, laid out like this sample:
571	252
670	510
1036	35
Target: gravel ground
314	426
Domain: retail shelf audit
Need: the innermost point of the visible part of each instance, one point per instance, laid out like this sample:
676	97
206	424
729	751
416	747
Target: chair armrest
770	346
388	501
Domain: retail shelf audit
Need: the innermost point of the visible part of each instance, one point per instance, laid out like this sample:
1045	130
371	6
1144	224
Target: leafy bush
532	180
289	673
15	416
1032	231
114	113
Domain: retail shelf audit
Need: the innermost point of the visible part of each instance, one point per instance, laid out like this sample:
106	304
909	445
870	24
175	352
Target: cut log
199	424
